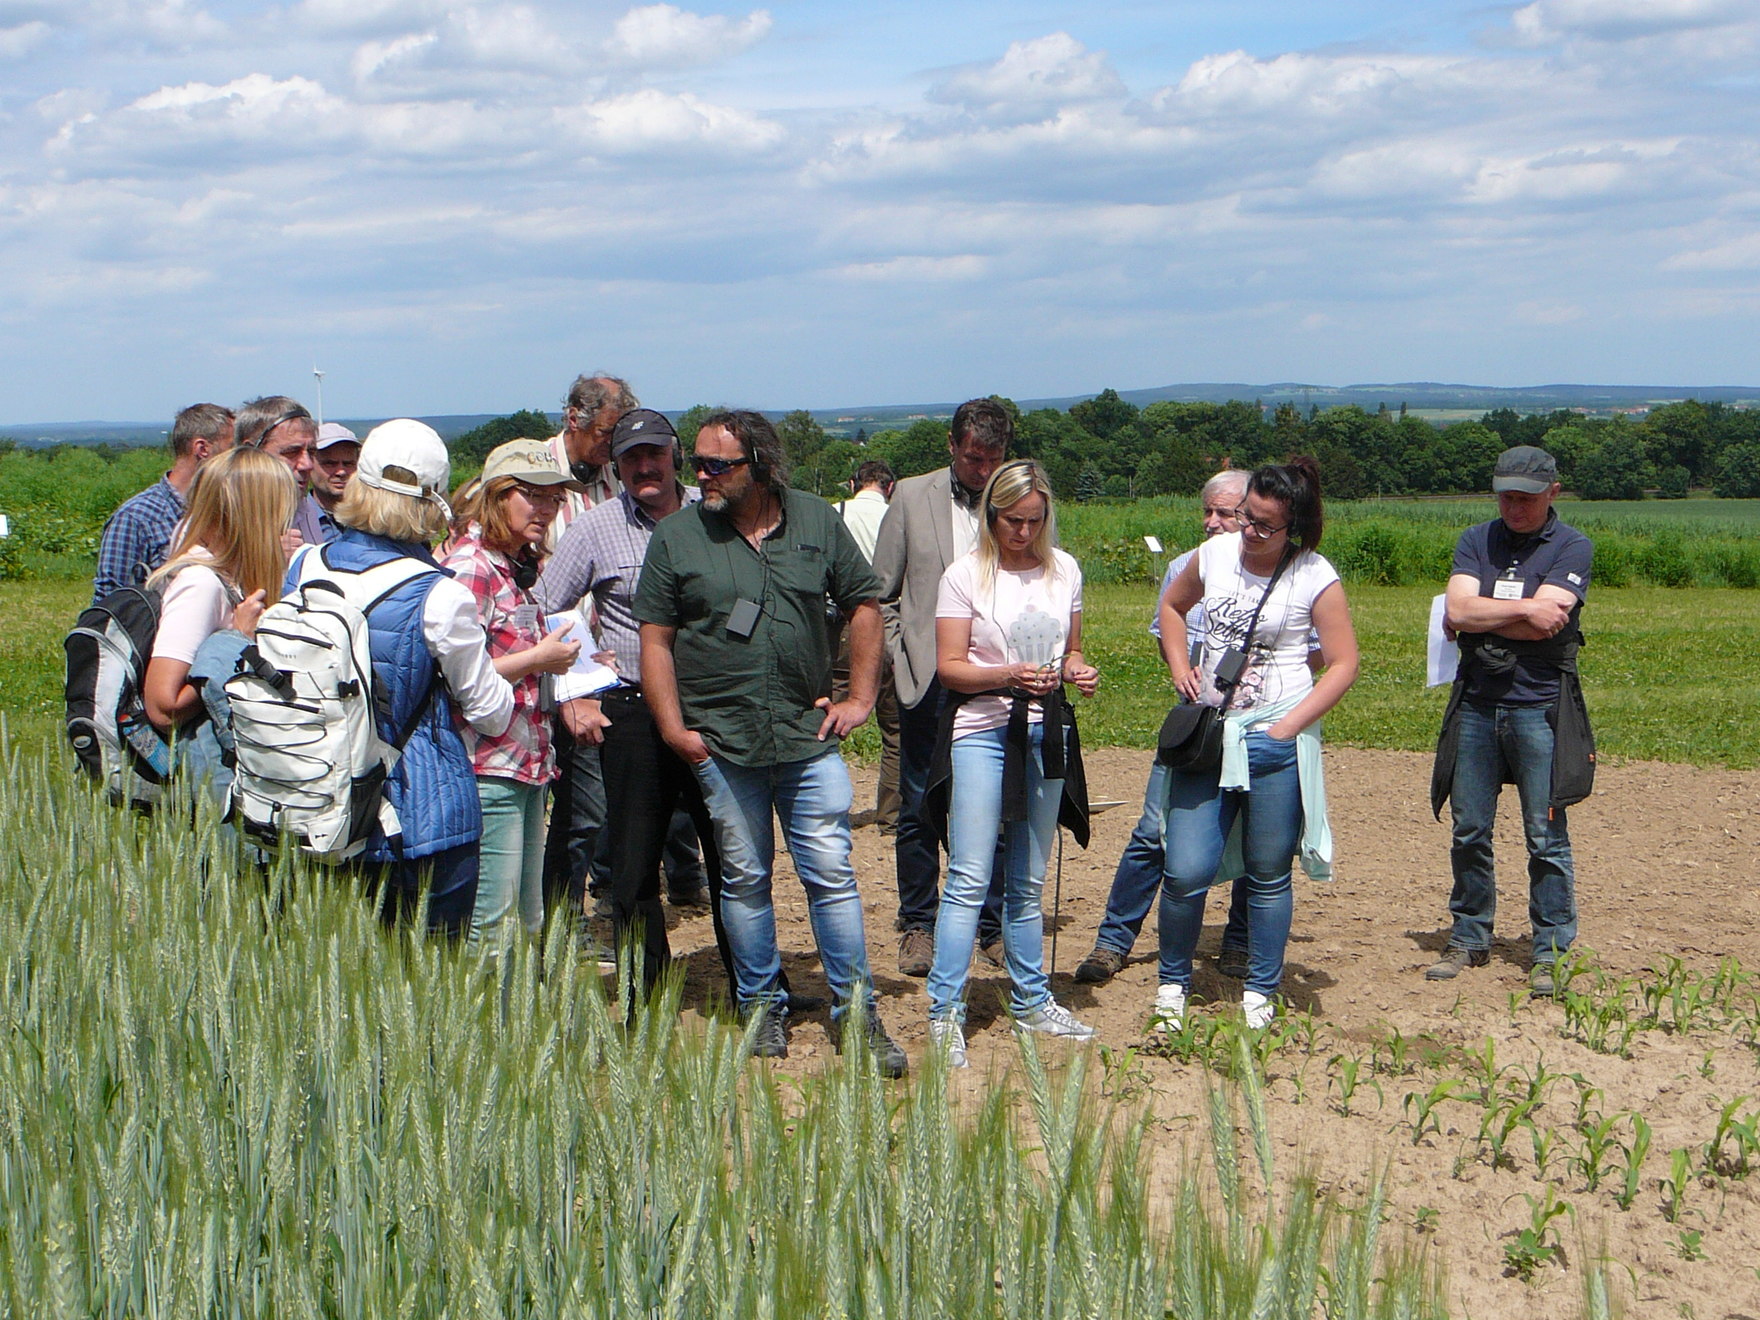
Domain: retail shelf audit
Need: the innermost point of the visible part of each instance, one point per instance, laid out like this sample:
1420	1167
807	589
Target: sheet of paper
1445	656
587	677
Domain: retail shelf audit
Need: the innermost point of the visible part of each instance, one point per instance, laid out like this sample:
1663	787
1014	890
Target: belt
622	692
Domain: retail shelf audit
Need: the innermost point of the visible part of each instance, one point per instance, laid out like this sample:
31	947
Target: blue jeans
1138	879
812	799
576	846
1499	743
1199	818
973	819
510	875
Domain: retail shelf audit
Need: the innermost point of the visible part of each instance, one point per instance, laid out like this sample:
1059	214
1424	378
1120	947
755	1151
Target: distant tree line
1107	447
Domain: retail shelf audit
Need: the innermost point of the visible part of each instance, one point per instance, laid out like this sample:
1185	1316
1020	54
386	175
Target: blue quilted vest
432	786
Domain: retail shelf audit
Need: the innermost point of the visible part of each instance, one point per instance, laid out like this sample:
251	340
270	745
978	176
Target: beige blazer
914	550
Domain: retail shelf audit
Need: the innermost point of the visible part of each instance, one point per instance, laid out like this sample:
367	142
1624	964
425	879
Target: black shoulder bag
1191	735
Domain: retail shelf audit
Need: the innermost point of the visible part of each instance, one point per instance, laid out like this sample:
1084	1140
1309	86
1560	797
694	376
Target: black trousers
645	782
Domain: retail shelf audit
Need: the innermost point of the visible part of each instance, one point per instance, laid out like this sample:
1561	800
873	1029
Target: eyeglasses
1262	530
716	467
538	496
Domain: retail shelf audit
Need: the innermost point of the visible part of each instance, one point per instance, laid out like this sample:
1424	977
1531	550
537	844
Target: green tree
689	422
1618	469
922	448
526	424
1104	415
1738	473
1090	485
1681	433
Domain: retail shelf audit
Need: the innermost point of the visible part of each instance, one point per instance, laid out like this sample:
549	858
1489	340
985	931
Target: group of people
721	612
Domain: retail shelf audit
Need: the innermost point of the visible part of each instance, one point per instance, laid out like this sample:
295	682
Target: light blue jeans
1199	818
511	875
1517	740
812	800
974	816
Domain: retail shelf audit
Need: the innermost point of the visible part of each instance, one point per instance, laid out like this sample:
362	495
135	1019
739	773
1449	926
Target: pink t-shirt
197	604
1025	616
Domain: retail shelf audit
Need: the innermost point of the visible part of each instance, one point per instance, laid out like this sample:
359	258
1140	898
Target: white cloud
1328	87
1616	20
374	56
648	119
1739	253
1033	77
917	270
665	35
357	16
17	42
1548	313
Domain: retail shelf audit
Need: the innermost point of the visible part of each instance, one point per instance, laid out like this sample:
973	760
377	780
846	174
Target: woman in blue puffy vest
430	659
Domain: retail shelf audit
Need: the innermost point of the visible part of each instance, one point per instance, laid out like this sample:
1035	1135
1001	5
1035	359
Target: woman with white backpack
430	659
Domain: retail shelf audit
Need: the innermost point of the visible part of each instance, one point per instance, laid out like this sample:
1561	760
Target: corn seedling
1690	1244
1536	1244
1635	1154
1346	1076
1424	1104
1674	1187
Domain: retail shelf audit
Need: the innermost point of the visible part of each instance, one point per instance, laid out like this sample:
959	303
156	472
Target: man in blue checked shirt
135	538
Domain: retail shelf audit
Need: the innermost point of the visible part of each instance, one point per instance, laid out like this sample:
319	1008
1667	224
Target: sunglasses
716	467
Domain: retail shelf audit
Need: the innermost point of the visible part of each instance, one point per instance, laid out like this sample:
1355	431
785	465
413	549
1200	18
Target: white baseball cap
413	446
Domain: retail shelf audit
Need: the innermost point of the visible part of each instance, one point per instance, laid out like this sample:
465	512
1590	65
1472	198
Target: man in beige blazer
933	520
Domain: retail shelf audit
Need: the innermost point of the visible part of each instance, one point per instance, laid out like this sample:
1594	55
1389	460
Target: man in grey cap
1516	713
335	454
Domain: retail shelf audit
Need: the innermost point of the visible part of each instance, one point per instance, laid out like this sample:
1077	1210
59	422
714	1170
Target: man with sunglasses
1516	714
736	668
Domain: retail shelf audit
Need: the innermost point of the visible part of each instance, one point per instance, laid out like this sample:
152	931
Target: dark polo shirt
1557	555
752	697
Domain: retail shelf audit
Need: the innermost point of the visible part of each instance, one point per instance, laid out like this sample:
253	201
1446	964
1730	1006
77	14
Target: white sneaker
1170	1009
948	1036
1054	1019
1261	1012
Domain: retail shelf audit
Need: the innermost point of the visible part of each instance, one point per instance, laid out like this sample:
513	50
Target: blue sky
455	206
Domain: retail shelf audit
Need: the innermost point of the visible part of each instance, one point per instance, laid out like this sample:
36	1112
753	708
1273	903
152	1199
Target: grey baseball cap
1526	469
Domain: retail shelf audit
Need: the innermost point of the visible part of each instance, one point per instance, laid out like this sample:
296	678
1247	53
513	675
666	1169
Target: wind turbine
320	378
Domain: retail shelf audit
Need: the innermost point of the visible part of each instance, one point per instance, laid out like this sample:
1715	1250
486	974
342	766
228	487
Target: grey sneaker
1232	963
1100	966
770	1041
916	951
1454	961
1053	1019
947	1035
1542	984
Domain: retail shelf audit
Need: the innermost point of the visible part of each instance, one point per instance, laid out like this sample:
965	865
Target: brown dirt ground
1668	863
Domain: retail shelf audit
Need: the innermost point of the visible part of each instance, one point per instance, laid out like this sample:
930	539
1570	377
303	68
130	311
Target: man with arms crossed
1516	714
134	540
932	521
736	668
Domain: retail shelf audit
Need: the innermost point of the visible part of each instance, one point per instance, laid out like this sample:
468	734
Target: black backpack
107	723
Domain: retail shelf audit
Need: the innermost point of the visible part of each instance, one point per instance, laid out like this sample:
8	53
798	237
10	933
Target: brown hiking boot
994	954
916	951
1100	966
1454	961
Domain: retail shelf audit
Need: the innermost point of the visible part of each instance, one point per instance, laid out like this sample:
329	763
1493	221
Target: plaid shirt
522	753
135	538
600	558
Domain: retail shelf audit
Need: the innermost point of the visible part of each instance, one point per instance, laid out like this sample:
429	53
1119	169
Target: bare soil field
1668	865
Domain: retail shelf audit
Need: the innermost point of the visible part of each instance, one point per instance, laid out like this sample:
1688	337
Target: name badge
1506	589
525	618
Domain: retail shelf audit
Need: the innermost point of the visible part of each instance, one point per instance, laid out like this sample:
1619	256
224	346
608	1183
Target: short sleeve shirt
750	692
1023	616
1557	555
1277	656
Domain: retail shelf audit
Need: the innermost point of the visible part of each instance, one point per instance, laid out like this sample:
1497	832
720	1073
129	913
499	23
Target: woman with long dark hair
1008	636
1265	589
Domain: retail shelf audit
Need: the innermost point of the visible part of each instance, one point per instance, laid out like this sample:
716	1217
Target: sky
455	207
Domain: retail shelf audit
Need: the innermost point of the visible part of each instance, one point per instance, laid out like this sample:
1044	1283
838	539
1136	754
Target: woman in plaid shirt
496	558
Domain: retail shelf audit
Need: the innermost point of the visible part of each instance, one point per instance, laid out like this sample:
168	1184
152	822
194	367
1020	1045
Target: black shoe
696	898
1232	962
888	1057
770	1040
806	1003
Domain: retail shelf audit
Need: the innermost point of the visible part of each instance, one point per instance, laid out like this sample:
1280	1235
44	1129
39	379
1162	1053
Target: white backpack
311	765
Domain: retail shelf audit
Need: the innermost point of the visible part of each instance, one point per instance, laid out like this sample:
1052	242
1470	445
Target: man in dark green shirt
736	667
